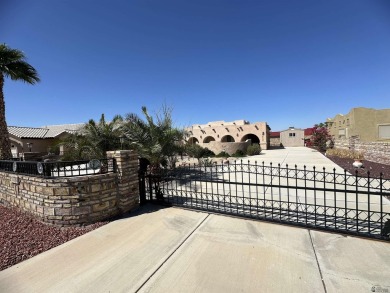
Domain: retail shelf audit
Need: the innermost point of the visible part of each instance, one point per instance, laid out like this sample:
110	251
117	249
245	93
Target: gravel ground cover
374	168
22	236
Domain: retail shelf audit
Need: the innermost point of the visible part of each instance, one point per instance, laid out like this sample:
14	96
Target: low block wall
229	147
373	151
75	200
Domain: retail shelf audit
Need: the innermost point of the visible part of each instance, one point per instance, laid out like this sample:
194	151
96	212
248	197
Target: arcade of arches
233	135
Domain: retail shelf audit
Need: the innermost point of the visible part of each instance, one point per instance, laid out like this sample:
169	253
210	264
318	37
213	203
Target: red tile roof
274	134
309	131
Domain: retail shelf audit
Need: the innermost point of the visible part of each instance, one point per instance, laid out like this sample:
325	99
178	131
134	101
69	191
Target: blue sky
289	63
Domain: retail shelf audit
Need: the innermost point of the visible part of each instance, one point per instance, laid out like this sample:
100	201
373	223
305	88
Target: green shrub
223	155
238	154
207	153
253	150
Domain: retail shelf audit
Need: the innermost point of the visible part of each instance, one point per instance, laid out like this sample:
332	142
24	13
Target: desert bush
343	153
238	154
253	150
207	153
206	162
223	154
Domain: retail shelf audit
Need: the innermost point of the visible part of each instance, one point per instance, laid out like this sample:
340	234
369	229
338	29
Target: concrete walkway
177	250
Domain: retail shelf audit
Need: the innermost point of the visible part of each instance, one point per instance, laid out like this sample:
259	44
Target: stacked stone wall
75	200
229	147
377	151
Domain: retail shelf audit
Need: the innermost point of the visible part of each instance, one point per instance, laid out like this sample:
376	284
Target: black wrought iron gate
312	198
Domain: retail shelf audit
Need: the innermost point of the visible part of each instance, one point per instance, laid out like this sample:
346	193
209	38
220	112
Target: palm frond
14	66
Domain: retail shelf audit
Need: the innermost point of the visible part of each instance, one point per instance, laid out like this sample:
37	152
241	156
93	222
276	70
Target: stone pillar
127	170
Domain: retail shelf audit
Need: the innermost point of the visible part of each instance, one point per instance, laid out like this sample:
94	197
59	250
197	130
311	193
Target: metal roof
55	130
50	131
27	132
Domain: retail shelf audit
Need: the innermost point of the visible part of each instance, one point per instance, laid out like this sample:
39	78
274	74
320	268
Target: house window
291	134
341	133
384	131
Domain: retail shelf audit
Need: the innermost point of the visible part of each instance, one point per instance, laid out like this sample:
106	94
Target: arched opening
207	139
253	137
227	138
193	140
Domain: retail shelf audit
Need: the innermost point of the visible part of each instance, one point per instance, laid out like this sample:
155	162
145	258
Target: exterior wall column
127	171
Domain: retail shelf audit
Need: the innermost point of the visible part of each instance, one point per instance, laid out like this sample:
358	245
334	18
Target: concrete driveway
177	250
300	156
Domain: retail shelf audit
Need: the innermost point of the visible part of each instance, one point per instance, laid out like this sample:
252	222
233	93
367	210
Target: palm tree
158	141
103	136
94	139
14	66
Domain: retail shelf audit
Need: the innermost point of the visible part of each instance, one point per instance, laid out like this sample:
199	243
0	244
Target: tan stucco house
221	136
365	124
38	140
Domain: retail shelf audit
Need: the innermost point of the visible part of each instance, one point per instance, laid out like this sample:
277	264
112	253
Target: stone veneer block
76	200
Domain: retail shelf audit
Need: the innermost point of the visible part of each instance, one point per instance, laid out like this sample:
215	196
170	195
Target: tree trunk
5	145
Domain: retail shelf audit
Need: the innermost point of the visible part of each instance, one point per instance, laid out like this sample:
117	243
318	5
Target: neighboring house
365	124
274	138
292	137
229	136
38	139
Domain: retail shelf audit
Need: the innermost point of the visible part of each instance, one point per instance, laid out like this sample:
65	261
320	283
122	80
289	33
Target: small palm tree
14	66
104	136
94	139
158	141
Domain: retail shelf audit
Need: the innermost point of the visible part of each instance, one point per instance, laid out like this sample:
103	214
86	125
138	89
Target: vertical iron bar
381	199
212	187
315	196
280	194
207	195
369	203
188	181
288	193
195	171
264	204
325	207
235	180
230	190
272	193
217	179
296	192
150	187
346	200
335	198
357	201
223	187
250	195
242	186
257	192
201	185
